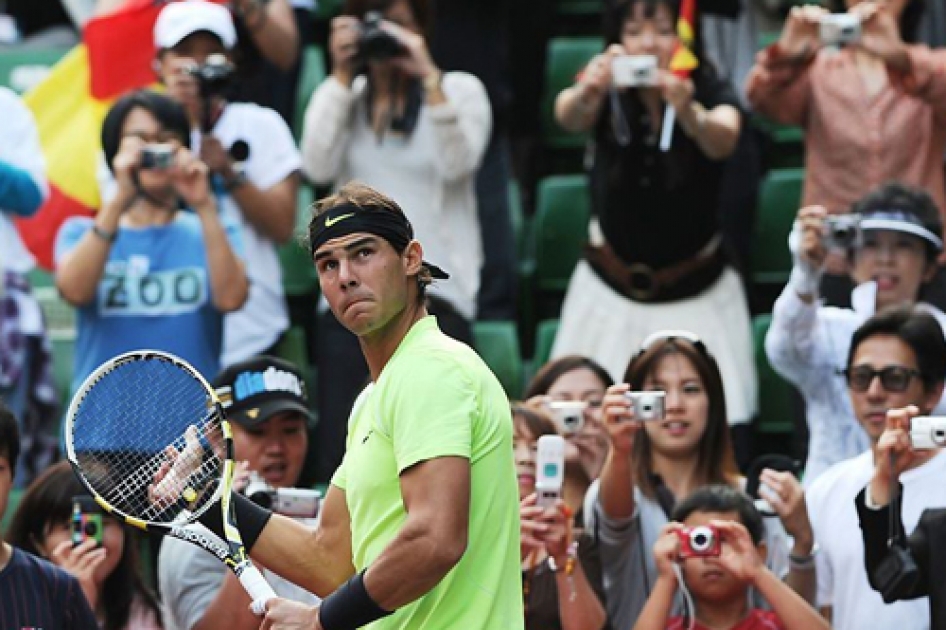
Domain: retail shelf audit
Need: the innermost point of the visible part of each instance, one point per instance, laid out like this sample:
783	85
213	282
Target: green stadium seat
327	9
579	7
12	502
293	348
64	351
779	199
560	228
775	394
544	338
311	75
497	342
298	273
565	57
21	70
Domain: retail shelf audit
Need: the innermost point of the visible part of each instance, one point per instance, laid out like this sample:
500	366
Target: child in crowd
719	584
33	593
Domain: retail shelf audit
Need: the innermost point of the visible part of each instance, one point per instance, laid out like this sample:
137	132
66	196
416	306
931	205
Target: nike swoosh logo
330	222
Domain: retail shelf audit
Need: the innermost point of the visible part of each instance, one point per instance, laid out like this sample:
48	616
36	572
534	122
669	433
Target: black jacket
927	545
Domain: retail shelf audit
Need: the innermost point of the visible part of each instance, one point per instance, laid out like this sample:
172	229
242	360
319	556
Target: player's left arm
436	495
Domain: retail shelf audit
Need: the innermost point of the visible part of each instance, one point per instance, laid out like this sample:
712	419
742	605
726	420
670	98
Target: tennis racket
147	436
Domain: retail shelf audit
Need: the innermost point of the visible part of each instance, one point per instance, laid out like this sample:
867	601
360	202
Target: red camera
699	542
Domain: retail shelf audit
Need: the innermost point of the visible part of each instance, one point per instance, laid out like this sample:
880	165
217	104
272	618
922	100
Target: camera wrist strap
894	536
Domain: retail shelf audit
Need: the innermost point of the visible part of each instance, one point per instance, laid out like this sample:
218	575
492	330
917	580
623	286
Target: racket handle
259	589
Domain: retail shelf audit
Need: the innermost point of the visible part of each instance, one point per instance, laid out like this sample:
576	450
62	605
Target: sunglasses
893	378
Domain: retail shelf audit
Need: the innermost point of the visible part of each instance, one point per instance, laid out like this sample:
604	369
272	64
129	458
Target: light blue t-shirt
154	294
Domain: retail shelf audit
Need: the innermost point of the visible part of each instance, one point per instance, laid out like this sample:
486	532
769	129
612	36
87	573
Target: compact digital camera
214	76
699	542
840	29
634	71
292	502
928	432
647	405
86	520
375	43
157	156
549	470
842	232
569	415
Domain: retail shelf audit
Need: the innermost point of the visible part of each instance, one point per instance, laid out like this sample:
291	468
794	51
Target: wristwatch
232	183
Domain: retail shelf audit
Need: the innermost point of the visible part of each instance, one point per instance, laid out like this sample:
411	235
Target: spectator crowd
672	512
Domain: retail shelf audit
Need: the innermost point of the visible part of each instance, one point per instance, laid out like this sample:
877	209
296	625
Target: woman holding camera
143	272
660	453
561	571
655	257
105	562
873	111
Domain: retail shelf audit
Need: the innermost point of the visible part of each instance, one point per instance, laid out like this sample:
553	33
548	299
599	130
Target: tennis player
420	526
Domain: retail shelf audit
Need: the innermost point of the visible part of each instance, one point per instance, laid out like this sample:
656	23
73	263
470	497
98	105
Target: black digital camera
896	574
375	43
214	76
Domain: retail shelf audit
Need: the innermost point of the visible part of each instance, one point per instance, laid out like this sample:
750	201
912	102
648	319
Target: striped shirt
37	595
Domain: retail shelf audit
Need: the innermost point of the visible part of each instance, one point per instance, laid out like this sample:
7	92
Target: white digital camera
549	470
840	29
647	405
634	71
569	415
291	502
928	432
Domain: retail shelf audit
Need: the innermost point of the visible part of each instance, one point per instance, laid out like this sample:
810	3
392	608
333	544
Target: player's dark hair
543	380
48	502
916	328
720	498
9	437
169	114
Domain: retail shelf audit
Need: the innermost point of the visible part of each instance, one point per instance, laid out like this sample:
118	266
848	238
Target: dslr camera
842	232
699	542
157	156
214	76
292	502
647	405
634	71
375	43
928	432
569	415
840	29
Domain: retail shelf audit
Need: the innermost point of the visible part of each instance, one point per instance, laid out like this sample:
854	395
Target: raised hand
800	36
343	47
667	550
618	418
531	527
894	443
81	562
880	34
189	176
739	555
787	498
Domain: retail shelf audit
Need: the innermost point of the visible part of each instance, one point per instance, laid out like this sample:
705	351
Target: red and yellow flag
684	61
115	56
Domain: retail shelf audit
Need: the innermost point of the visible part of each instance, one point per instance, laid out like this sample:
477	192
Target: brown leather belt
642	282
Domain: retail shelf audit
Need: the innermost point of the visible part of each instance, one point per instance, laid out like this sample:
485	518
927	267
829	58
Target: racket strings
148	439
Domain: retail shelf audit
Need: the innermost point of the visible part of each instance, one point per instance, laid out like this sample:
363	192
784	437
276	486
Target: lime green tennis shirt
436	398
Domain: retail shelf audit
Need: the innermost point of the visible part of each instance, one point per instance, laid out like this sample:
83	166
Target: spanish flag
684	61
115	56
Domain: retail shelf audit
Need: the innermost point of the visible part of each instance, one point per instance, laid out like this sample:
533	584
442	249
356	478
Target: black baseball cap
254	390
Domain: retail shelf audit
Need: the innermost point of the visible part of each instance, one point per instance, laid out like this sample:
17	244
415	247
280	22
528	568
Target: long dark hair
716	463
909	19
48	500
543	380
168	112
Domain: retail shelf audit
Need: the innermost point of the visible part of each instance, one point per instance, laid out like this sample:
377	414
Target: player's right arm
318	560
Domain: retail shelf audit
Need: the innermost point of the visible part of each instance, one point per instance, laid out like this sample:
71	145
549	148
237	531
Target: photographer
265	401
155	267
873	111
896	456
250	153
897	358
892	249
655	257
390	118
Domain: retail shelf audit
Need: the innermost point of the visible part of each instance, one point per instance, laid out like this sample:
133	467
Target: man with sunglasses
892	249
897	358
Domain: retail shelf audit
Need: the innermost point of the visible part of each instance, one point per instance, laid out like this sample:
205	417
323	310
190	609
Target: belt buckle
646	289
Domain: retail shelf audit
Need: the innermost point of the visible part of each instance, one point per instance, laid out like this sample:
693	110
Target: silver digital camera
842	232
292	502
634	71
839	29
569	415
157	156
927	432
647	405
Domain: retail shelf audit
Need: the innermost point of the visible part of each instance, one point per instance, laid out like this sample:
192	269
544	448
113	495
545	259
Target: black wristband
350	607
250	518
105	235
